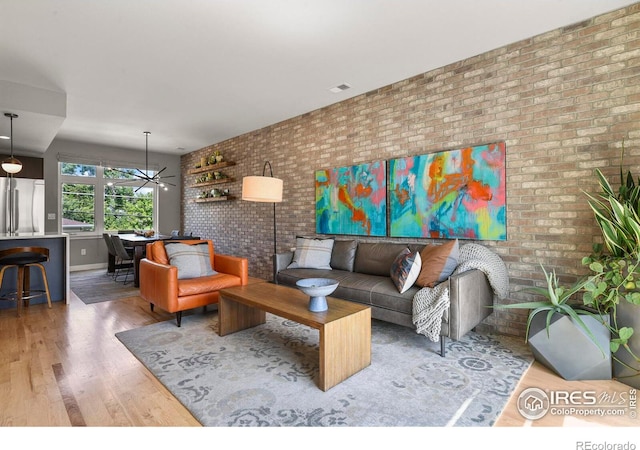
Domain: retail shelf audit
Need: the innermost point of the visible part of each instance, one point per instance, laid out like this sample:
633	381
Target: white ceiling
197	72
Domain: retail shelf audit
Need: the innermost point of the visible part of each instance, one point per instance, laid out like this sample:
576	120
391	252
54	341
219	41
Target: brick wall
562	101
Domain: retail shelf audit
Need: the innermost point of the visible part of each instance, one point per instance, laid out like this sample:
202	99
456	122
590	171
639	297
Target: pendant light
144	174
11	164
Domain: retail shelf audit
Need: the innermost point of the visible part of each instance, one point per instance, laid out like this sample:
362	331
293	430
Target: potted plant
614	287
563	335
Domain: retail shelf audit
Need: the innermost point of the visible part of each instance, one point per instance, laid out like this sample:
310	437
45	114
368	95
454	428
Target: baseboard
88	267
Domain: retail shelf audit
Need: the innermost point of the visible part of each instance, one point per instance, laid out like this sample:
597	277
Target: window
96	199
127	208
78	207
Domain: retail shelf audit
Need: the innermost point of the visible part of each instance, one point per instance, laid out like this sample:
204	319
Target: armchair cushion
192	261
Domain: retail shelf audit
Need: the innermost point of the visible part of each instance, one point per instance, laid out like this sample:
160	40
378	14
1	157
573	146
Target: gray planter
628	315
568	350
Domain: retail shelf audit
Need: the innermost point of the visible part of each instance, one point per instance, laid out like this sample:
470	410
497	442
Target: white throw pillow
405	269
192	261
312	254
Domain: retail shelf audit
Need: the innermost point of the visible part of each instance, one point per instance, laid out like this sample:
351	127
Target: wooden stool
23	258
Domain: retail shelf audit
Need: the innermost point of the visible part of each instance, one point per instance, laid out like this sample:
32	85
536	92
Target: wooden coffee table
345	328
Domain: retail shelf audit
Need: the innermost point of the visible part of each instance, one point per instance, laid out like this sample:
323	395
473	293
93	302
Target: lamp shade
262	189
11	165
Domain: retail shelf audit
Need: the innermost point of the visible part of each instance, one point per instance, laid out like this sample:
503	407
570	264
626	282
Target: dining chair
124	259
111	249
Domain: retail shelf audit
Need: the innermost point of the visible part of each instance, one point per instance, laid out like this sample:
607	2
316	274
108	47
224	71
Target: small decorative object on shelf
213	193
317	289
199	168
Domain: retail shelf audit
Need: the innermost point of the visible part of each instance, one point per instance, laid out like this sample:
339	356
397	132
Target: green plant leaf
625	333
614	346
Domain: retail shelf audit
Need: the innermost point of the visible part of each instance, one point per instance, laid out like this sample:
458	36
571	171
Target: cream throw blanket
430	304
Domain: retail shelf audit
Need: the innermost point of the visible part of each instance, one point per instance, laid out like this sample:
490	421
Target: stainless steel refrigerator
21	205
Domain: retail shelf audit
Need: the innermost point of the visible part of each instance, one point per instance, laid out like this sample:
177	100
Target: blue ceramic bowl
317	287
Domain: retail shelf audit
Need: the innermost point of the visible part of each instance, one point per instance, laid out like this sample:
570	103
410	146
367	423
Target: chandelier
144	174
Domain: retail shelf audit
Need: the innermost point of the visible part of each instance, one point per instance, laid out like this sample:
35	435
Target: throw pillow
192	261
343	255
312	254
438	263
405	269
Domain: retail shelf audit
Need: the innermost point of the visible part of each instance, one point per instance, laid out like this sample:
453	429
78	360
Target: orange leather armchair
159	283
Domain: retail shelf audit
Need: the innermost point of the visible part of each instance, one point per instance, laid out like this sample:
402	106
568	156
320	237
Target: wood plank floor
65	367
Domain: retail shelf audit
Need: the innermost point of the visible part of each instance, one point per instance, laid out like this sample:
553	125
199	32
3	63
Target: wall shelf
212	182
211	167
214	199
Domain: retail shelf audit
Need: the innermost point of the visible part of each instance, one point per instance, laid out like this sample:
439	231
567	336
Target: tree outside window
78	207
126	208
125	203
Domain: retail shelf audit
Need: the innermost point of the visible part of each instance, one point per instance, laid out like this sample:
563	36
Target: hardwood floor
539	376
64	367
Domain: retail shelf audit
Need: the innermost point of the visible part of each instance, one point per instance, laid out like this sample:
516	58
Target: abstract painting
352	200
450	194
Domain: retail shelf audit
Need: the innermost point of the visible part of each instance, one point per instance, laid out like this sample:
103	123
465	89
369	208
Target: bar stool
23	258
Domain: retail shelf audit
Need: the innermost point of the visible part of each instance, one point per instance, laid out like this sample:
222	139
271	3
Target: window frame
100	183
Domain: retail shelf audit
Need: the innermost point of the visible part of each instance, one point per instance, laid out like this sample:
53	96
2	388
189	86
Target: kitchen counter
57	267
14	236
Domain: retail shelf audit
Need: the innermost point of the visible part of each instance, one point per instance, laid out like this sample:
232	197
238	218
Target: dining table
139	244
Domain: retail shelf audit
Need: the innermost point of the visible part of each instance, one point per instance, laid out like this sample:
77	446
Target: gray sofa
363	272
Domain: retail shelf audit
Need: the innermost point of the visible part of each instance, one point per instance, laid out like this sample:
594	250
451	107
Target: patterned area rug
94	286
266	376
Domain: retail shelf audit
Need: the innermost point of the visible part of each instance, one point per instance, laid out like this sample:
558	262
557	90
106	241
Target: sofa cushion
438	263
343	255
385	295
375	258
405	269
312	254
192	261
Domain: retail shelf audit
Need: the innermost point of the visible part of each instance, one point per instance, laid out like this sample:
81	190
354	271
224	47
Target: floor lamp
266	189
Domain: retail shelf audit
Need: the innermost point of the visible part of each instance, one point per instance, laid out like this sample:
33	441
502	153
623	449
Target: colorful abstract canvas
352	200
450	194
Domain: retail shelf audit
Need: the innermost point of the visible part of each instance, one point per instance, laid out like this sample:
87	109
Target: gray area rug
94	286
266	376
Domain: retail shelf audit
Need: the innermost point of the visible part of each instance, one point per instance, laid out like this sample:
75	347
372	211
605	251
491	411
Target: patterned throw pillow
438	263
312	254
405	269
192	261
